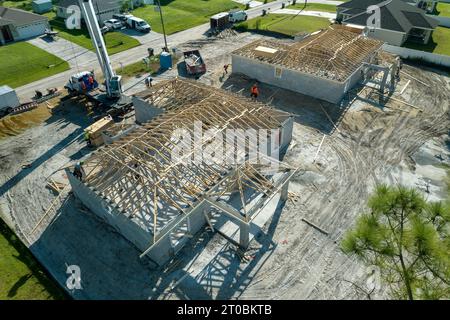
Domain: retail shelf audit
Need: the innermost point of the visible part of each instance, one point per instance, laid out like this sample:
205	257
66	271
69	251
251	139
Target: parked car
123	17
138	24
236	16
113	24
105	29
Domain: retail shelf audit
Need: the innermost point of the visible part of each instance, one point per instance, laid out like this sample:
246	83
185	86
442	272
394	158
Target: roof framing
335	53
137	175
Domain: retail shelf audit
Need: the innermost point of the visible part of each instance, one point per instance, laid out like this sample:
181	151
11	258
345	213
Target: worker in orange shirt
254	92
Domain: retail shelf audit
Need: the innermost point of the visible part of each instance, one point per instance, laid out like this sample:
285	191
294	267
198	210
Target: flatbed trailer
108	106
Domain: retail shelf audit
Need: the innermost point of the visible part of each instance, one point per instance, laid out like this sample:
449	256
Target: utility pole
164	29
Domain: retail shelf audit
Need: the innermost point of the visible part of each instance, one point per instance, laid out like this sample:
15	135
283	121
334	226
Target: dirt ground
361	144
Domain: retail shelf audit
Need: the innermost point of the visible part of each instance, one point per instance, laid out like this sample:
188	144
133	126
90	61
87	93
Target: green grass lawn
314	7
183	14
443	9
439	43
285	24
21	276
22	63
115	41
139	68
19	4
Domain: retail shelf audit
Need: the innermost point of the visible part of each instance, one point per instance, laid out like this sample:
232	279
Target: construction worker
78	171
254	92
87	138
399	63
148	82
225	68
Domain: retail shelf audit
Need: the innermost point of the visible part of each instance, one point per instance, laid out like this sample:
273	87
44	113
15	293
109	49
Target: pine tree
408	240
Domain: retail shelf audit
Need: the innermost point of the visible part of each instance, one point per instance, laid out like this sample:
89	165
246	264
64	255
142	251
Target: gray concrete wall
392	37
129	229
145	111
286	133
331	91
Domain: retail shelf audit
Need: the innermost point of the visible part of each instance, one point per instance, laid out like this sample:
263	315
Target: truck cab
138	24
238	15
81	82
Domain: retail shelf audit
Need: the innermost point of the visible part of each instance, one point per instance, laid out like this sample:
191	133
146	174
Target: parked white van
138	24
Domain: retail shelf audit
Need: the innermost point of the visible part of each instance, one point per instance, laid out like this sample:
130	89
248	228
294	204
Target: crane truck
110	96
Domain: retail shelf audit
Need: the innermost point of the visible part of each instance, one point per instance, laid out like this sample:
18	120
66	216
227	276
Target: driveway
63	49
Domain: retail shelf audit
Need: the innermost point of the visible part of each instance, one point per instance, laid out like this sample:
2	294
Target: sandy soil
290	259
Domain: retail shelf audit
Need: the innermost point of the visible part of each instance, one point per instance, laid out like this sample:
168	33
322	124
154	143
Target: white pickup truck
237	16
8	100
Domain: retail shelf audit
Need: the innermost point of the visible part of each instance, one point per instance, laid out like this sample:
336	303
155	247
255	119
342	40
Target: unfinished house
324	65
158	202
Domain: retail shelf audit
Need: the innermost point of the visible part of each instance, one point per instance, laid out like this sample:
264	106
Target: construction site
344	117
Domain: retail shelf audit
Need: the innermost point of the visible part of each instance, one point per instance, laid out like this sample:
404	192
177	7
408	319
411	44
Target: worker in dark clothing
149	82
78	171
225	68
399	63
254	92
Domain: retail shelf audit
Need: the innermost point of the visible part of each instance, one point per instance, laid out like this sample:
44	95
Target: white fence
407	53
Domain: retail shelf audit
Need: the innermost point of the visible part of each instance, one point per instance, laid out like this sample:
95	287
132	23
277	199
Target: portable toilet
42	6
165	60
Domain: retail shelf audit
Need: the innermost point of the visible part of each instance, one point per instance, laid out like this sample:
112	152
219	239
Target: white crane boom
113	81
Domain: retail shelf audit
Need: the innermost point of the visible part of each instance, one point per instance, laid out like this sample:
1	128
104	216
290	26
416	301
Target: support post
244	235
284	192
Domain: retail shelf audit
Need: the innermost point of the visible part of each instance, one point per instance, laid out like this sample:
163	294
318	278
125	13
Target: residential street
88	61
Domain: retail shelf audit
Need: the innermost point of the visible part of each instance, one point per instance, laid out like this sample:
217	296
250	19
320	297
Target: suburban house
16	24
427	5
399	20
103	8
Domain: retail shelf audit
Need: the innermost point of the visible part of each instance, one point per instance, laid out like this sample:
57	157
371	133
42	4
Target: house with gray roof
399	21
104	9
16	25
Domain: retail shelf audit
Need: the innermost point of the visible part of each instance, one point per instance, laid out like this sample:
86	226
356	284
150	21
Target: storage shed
42	6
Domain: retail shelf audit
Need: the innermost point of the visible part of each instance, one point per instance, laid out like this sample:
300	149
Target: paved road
320	14
142	37
332	2
88	60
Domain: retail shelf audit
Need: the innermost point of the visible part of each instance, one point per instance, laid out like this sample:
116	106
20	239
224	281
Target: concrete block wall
129	229
328	90
144	110
286	133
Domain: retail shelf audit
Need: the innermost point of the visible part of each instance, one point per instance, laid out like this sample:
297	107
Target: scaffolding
335	53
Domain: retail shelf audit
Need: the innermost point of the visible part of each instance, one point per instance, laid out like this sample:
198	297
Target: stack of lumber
95	130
